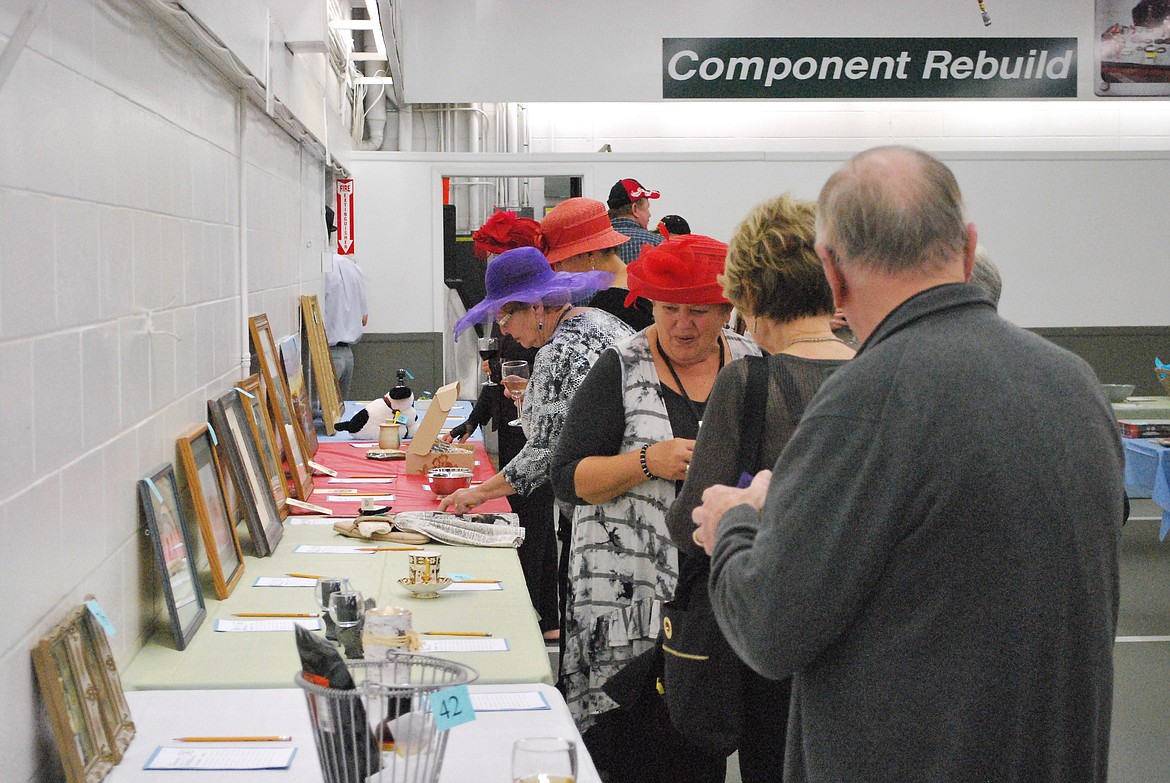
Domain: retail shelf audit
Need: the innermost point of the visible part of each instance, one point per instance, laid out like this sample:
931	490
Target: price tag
96	610
451	706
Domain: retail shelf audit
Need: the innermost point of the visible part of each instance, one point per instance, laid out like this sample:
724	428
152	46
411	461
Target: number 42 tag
451	707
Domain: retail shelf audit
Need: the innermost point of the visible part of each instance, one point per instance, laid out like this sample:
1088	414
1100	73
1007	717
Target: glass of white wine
544	760
515	380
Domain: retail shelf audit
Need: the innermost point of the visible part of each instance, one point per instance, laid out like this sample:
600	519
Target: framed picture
296	452
294	376
201	467
87	708
266	444
171	539
231	422
232	499
324	374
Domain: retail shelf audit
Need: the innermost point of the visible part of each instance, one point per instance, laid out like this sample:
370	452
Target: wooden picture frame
324	373
233	499
289	349
87	707
296	454
170	537
230	421
201	467
266	443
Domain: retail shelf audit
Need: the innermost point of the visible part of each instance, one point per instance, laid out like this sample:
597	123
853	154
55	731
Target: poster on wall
1133	48
852	68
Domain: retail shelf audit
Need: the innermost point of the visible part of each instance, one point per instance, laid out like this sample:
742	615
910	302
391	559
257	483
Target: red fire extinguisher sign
345	217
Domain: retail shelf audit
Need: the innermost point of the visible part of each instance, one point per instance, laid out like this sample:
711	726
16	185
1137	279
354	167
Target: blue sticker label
96	610
214	439
451	707
154	490
246	394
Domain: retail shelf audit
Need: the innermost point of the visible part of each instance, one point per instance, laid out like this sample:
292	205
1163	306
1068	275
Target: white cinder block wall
120	307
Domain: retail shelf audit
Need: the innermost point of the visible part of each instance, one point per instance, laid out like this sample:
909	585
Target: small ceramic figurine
396	405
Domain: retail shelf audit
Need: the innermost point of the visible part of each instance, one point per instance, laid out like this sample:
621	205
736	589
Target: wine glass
346	608
489	348
515	380
544	760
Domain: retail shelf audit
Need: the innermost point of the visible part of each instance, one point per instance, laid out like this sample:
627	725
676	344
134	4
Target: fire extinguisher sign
345	217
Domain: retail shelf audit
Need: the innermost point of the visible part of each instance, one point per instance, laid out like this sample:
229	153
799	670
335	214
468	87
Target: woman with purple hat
537	307
622	457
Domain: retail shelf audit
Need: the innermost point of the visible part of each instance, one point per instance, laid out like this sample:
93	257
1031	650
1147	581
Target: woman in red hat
621	459
578	237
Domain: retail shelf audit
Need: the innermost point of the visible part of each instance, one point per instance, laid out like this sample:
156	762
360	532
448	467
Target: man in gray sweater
935	554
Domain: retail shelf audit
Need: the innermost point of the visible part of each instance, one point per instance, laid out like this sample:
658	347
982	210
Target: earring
540	326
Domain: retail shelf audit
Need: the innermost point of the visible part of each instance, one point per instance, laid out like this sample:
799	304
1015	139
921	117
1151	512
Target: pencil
478	582
306	576
389	548
454	633
273	614
275	738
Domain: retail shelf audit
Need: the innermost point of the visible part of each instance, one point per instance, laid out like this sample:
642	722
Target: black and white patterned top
560	367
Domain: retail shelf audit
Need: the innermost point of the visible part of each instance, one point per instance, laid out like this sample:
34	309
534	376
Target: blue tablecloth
1147	474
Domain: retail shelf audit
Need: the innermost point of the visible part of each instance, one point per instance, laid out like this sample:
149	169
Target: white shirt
345	301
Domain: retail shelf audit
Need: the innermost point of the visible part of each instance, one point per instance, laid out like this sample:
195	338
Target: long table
269	659
1142	408
476	751
1147	474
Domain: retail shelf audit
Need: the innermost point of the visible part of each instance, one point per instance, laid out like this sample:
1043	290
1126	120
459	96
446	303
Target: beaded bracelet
642	460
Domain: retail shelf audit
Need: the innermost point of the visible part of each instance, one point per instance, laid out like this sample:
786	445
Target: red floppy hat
682	270
575	226
504	231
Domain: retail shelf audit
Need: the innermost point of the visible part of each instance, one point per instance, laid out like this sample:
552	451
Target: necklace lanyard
670	366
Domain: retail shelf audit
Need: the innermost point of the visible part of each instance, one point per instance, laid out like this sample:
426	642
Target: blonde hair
772	269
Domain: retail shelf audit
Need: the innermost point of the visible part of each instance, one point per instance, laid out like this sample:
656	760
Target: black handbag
703	679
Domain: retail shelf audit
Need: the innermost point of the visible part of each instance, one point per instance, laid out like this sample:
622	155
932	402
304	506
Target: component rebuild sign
746	68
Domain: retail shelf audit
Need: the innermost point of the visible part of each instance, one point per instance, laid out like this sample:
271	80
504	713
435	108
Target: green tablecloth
1143	408
269	659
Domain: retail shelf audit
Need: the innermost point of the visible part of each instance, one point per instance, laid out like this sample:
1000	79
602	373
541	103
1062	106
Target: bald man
934	557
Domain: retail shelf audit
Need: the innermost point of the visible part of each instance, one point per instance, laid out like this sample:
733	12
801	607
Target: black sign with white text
848	68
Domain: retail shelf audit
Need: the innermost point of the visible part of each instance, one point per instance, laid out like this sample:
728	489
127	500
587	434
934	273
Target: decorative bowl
444	481
420	590
1118	392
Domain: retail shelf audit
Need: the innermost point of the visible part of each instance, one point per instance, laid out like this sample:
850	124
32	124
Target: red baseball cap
627	191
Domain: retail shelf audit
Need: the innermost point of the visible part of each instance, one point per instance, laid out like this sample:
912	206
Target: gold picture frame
87	708
296	453
267	445
324	373
220	542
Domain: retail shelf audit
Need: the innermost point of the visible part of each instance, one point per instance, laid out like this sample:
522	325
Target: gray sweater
936	560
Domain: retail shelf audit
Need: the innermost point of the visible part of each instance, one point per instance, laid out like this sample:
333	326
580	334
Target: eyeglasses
503	318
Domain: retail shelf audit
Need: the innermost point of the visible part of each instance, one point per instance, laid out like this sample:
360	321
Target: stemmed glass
489	348
515	380
544	760
326	586
347	608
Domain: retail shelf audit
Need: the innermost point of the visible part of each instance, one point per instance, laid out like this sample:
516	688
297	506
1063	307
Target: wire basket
383	730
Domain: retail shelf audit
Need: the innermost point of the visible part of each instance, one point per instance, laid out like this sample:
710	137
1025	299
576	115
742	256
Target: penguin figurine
396	405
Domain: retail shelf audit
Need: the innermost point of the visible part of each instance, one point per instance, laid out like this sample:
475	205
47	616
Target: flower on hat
682	270
505	231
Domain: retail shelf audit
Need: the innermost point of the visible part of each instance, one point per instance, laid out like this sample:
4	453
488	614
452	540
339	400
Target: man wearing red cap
629	213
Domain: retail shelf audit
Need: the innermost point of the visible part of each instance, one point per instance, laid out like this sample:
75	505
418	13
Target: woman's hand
462	500
460	432
718	499
669	459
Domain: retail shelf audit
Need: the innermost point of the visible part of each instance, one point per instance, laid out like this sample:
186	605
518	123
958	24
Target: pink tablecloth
411	491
